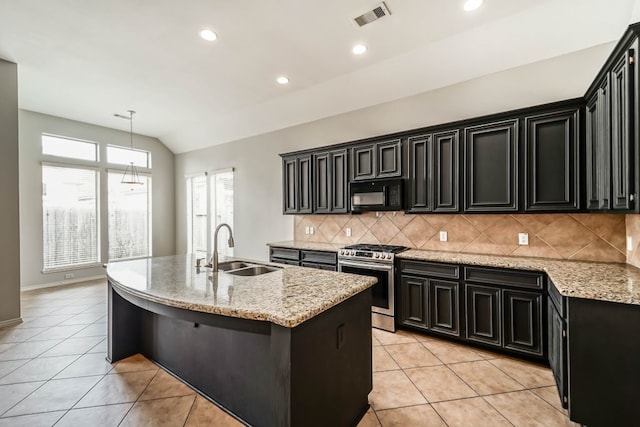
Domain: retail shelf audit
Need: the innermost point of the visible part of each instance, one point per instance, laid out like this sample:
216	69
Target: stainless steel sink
254	270
232	265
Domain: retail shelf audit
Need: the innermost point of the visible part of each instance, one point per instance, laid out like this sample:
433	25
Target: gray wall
32	125
258	193
9	193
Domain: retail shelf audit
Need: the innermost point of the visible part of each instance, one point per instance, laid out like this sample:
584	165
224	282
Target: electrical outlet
629	243
311	230
347	231
379	214
69	276
306	230
444	236
523	239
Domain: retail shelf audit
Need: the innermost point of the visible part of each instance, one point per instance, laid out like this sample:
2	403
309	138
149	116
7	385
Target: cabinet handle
565	399
632	197
564	333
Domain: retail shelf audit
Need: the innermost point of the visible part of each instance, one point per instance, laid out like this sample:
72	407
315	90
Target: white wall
32	125
9	213
258	188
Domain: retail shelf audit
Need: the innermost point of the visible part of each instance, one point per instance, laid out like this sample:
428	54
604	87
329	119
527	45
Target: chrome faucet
214	258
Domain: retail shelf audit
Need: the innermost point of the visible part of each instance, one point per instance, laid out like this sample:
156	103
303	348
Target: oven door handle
371	266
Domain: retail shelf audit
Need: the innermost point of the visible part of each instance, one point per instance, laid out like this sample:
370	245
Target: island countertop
286	297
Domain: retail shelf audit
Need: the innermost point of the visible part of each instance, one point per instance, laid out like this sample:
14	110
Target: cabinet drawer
319	257
327	267
285	253
511	278
558	300
432	269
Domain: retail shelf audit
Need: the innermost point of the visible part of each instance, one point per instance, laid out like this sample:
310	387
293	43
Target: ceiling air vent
377	13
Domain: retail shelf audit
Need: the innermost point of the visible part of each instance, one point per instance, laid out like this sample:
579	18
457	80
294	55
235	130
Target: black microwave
378	195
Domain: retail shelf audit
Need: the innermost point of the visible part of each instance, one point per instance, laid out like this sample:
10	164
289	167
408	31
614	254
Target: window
124	156
129	217
209	203
70	217
71	148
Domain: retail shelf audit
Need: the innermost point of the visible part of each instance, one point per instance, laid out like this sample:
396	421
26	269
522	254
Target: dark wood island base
315	374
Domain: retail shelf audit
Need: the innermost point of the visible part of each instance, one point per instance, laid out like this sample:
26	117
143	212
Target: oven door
383	291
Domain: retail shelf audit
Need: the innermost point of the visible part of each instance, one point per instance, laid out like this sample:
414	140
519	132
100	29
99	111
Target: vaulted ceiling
87	60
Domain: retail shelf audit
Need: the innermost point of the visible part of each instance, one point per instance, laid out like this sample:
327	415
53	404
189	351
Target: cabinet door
523	321
444	307
551	161
445	171
557	341
363	161
483	314
304	184
420	173
389	159
413	301
322	183
339	182
598	145
491	167
621	168
289	185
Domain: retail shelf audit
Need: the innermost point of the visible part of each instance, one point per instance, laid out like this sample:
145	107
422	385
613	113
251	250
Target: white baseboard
62	283
10	322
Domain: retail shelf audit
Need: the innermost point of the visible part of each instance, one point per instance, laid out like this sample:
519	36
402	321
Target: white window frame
98	220
149	213
211	225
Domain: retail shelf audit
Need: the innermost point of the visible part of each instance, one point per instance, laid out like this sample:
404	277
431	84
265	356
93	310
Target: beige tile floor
53	372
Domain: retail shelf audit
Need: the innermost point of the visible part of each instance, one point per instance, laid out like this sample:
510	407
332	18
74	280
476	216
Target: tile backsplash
633	230
591	237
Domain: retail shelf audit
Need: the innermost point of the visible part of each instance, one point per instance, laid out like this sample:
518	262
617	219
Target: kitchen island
289	347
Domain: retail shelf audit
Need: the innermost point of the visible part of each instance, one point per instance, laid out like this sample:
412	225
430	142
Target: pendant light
131	173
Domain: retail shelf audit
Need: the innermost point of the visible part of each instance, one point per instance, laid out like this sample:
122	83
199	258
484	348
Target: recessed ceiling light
208	35
282	80
470	5
359	49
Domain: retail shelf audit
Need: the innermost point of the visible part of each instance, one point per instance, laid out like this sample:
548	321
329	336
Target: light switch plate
629	243
311	230
347	231
523	239
443	236
306	230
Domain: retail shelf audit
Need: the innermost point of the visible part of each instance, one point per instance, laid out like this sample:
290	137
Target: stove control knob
377	255
352	253
341	252
388	256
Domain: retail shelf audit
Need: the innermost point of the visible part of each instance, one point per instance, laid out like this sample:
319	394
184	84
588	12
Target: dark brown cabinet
552	179
491	167
523	321
304	258
483	314
433	172
598	147
374	160
330	182
557	343
297	184
428	300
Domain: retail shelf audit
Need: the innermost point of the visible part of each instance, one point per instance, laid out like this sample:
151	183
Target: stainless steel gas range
377	261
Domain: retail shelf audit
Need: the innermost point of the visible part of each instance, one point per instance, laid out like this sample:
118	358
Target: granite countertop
605	281
614	282
286	297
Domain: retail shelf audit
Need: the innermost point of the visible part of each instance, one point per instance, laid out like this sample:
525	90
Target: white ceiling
85	60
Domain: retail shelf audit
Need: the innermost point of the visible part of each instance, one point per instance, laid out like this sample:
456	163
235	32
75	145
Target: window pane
129	218
124	156
71	148
222	197
70	217
199	214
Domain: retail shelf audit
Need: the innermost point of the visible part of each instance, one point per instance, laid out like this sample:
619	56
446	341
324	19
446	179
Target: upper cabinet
551	161
611	127
374	160
330	193
491	167
433	172
296	183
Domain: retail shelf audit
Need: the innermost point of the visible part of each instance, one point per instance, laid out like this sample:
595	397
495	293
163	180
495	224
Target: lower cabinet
303	258
557	342
483	314
498	308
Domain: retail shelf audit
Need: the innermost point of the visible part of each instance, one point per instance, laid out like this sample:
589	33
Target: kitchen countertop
613	282
309	246
286	297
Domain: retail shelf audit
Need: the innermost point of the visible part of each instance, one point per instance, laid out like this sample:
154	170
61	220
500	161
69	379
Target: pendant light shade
131	173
